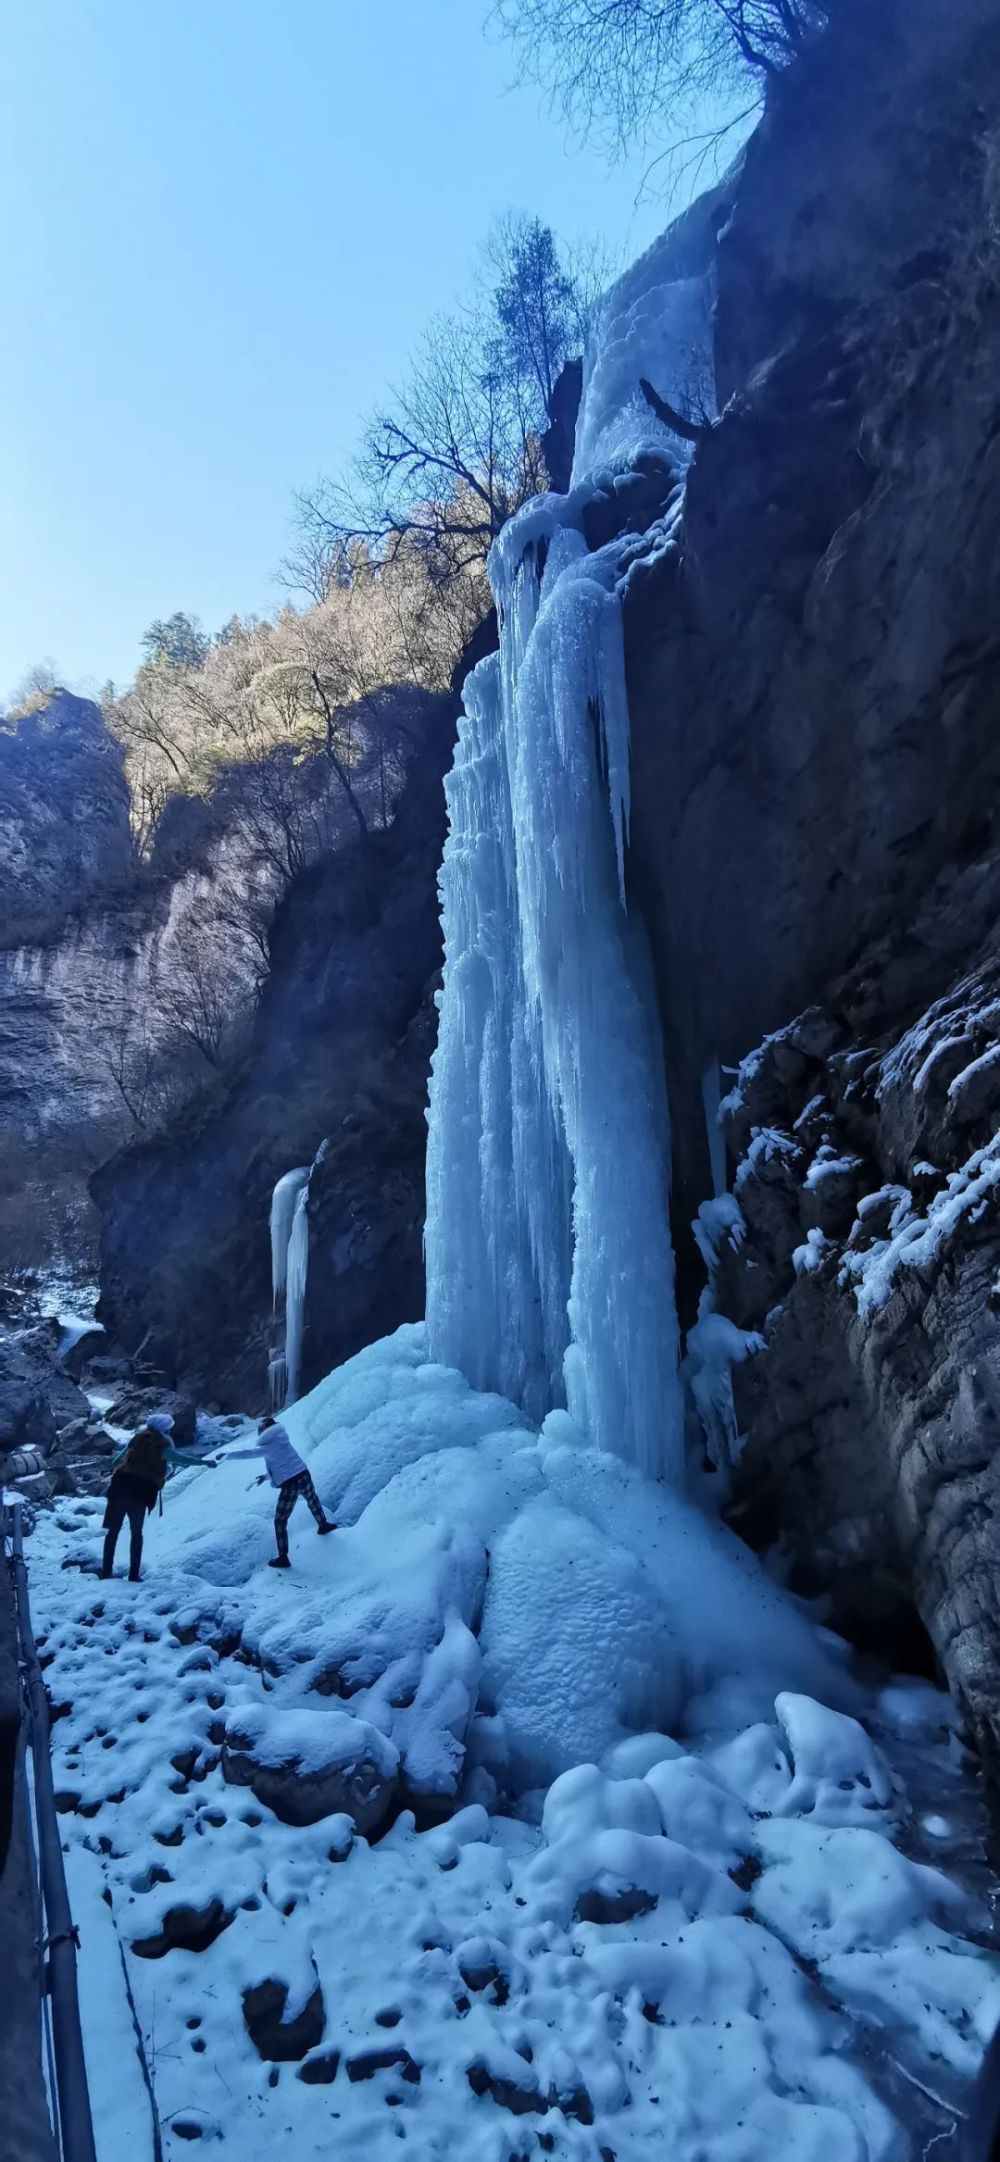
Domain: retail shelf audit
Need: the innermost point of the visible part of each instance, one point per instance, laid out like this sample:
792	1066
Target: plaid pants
288	1494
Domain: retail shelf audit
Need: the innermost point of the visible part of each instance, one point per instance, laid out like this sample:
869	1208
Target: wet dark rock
487	1977
522	2101
320	2071
32	1373
82	1437
623	1906
26	1420
78	1355
185	1929
558	441
277	2039
365	2063
105	1368
575	2104
135	1405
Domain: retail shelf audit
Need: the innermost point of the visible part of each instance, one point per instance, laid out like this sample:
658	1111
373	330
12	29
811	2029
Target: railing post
75	2119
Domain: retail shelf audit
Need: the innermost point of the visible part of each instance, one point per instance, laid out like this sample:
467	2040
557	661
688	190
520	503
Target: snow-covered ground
683	1906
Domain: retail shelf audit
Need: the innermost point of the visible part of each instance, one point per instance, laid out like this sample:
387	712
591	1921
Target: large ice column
283	1202
549	1262
295	1294
289	1273
499	1242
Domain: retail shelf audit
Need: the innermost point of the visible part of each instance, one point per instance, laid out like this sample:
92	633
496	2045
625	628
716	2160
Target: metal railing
71	2101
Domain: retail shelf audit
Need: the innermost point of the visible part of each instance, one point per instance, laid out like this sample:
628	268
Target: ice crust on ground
668	1946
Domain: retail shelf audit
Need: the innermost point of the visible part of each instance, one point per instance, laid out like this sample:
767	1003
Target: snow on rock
812	1253
837	1769
312	1763
656	322
919	1241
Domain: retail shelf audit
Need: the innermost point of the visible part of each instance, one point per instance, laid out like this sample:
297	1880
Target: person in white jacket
289	1474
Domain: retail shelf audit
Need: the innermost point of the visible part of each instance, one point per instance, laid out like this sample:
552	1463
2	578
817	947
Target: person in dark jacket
137	1480
290	1475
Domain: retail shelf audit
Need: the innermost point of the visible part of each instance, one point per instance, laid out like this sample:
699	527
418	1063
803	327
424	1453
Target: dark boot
279	1561
135	1554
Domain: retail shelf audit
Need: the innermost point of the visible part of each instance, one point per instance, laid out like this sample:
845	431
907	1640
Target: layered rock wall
339	1053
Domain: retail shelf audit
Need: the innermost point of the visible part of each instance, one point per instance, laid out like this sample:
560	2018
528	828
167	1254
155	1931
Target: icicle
283	1204
711	1096
277	1381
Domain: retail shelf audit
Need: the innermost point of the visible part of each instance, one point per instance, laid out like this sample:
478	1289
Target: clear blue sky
223	225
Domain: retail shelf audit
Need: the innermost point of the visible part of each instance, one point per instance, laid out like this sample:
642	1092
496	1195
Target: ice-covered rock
313	1763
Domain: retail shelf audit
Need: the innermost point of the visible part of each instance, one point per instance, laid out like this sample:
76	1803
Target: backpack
146	1457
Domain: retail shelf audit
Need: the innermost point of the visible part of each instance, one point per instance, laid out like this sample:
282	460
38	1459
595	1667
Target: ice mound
485	1571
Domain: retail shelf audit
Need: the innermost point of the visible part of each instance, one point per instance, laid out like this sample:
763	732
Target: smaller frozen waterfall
287	1199
283	1203
289	1276
295	1294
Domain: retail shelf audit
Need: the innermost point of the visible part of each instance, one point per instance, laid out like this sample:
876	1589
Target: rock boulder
313	1764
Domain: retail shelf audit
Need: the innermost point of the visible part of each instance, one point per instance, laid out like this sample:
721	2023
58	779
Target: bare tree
624	63
195	993
126	1052
457	447
34	690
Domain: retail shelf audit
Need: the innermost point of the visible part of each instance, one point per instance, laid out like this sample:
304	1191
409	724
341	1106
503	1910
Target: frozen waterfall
549	1260
549	1263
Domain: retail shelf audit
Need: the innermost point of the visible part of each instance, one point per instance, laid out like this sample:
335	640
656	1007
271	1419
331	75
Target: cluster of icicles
549	1261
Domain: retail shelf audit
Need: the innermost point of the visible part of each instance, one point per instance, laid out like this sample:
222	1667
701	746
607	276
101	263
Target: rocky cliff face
123	979
813	678
64	817
339	1053
867	1255
815	686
